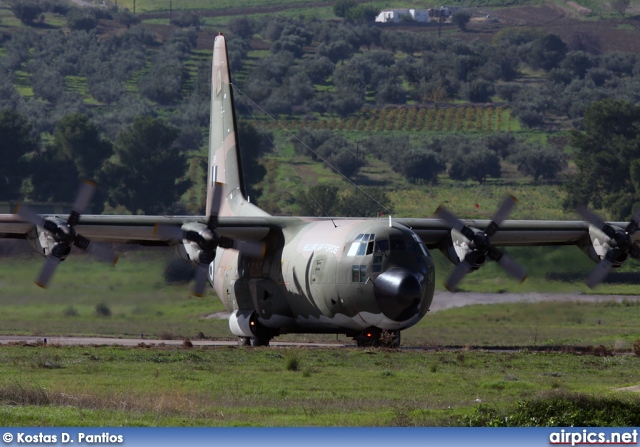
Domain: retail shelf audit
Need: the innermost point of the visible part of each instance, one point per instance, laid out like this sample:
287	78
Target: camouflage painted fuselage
339	276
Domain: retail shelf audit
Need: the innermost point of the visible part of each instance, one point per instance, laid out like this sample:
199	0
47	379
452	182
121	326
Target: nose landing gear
374	337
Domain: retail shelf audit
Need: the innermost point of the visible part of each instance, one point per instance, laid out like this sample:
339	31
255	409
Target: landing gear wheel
368	338
244	341
259	341
390	339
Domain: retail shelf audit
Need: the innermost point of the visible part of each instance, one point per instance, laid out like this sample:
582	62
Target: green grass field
230	386
85	386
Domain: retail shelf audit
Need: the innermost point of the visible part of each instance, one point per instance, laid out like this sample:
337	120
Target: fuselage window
355	273
423	249
358	273
382	245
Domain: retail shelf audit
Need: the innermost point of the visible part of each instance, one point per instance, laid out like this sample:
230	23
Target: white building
398	15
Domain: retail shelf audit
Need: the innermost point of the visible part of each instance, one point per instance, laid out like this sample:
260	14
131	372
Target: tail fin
224	156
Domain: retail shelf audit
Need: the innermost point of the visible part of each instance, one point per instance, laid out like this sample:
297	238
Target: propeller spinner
621	244
208	240
480	244
65	236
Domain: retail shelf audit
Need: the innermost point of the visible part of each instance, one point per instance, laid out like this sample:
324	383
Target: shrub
560	409
636	347
292	361
70	311
102	310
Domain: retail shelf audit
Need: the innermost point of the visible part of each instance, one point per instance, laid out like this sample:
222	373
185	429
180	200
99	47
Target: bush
292	361
70	311
636	347
102	310
560	409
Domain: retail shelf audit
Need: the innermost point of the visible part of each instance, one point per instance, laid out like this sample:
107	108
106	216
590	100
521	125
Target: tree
127	19
540	162
476	164
461	19
78	153
478	90
605	154
81	19
253	145
26	11
547	52
341	8
80	141
15	142
329	200
187	19
620	6
422	166
145	175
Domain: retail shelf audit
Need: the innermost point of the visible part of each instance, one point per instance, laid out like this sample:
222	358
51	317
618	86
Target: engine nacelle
243	323
597	244
189	250
43	242
456	248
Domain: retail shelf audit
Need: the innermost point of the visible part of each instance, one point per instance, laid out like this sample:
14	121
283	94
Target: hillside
403	98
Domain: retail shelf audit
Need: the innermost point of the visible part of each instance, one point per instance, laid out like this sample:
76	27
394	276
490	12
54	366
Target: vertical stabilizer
224	157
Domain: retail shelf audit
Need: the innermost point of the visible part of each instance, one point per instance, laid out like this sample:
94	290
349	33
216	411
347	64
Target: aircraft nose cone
398	293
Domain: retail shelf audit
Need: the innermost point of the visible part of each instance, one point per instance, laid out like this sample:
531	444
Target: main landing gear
374	337
253	341
261	336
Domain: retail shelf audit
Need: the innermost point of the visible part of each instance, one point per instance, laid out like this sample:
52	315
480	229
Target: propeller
65	235
480	244
208	240
621	243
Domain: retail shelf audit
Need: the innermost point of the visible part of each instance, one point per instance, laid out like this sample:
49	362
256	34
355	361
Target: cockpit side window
397	245
382	245
362	246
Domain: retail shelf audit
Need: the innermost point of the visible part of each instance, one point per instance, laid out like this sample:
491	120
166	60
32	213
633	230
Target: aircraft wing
511	232
139	230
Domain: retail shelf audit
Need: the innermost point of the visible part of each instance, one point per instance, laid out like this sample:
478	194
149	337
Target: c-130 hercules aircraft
366	278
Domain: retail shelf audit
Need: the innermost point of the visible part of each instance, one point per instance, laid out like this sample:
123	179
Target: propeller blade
595	220
48	269
201	280
29	215
214	208
599	273
456	276
85	194
449	218
634	223
501	215
103	253
512	268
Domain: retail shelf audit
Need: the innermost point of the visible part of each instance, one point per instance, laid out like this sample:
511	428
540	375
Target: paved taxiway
441	301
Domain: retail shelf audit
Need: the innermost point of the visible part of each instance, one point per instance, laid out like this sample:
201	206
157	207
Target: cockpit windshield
405	244
362	246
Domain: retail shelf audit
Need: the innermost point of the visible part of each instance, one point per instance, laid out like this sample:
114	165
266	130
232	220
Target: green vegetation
141	302
83	386
85	292
346	77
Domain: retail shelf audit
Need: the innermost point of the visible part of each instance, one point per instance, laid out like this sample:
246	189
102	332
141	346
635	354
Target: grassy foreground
85	386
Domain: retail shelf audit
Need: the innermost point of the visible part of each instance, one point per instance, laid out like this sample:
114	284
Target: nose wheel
375	337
